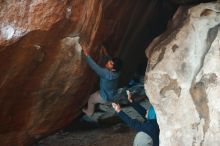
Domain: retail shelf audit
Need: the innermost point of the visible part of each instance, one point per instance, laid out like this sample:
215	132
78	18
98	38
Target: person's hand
129	96
85	52
116	107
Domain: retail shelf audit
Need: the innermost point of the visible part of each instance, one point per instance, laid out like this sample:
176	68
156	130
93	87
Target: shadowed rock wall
184	2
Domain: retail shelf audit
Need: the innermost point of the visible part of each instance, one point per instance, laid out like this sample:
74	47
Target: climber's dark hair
117	64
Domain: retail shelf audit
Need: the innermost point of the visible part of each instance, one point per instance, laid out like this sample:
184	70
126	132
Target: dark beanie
117	64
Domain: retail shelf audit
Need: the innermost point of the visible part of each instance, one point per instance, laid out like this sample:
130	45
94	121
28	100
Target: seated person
149	126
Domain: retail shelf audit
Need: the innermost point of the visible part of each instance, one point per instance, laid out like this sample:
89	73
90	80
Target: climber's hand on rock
116	107
85	52
129	96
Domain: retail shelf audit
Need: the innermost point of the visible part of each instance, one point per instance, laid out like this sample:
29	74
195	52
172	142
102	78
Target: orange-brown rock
44	80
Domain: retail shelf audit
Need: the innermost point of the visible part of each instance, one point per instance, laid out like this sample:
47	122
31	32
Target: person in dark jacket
149	126
109	76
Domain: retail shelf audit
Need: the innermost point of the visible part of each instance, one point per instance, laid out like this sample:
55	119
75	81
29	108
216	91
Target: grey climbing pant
142	139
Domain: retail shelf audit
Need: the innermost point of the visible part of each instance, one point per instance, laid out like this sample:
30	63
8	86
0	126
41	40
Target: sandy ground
118	135
106	130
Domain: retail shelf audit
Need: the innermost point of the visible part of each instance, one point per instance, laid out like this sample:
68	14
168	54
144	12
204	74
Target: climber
148	129
108	81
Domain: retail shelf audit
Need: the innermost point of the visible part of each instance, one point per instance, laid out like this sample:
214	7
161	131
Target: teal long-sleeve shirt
108	80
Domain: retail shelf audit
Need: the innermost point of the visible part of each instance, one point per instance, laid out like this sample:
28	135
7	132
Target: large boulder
44	81
183	77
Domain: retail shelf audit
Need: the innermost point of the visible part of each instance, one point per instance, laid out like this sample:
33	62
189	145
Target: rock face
184	2
183	77
44	80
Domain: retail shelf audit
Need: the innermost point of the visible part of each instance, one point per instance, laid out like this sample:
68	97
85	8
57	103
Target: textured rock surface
183	77
44	80
183	2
